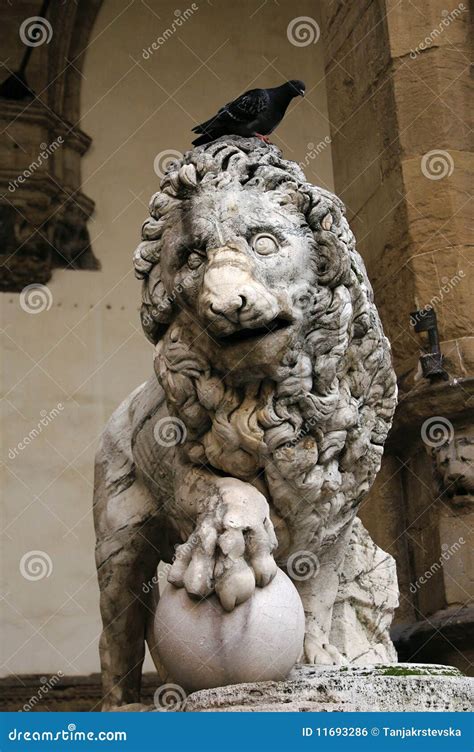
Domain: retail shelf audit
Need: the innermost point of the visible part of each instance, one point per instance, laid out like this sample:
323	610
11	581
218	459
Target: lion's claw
322	654
234	584
230	551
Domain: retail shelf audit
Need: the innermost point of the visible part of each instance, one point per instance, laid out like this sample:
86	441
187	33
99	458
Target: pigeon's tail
207	125
204	139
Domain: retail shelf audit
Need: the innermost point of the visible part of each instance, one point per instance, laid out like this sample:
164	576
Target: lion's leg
318	594
126	562
232	539
366	601
127	555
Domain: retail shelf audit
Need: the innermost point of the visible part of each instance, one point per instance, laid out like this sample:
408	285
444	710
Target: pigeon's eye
195	260
265	244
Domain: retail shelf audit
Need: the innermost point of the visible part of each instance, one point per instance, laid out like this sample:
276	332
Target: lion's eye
264	244
195	260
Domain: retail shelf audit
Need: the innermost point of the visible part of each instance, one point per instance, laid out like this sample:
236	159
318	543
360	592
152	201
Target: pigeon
255	113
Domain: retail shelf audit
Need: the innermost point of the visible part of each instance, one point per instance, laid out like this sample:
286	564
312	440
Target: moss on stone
418	671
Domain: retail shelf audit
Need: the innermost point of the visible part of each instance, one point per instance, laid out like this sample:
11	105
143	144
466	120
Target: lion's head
269	345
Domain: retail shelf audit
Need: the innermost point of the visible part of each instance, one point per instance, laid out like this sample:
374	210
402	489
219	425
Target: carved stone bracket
453	463
43	211
433	439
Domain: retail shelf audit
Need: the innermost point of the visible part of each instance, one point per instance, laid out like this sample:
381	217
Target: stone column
397	77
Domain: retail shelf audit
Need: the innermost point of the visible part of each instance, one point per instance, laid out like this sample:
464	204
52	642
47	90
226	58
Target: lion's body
275	375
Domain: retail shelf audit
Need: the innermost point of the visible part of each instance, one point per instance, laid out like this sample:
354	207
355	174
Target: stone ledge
444	398
397	687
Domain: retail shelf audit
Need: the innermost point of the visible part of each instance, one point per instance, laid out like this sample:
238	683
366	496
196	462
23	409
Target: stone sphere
202	646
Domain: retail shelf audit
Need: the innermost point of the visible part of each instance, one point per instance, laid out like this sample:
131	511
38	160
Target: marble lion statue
262	429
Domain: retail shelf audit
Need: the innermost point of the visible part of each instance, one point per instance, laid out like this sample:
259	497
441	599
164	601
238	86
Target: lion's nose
228	306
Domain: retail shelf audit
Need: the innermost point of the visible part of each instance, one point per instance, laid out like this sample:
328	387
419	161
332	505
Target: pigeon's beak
302	93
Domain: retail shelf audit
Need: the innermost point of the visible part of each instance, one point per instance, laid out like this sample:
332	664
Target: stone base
397	687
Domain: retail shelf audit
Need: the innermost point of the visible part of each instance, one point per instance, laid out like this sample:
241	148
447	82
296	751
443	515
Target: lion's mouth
243	335
459	489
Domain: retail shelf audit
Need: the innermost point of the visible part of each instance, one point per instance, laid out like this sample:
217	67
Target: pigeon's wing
242	110
246	107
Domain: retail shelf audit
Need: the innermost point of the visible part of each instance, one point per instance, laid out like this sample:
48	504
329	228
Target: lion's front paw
230	550
322	653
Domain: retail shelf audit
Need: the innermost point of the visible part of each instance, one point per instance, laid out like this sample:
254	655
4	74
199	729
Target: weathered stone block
389	688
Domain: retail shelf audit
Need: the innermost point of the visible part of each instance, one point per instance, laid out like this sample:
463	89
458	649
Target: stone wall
397	77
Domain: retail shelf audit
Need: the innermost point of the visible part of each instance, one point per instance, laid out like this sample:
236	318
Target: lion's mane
315	432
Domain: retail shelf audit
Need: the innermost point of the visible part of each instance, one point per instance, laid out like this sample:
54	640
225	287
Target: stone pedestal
399	687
